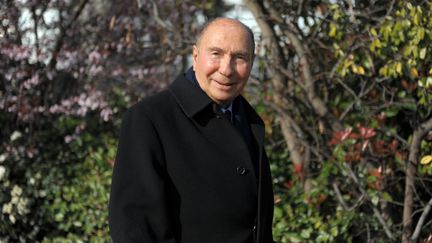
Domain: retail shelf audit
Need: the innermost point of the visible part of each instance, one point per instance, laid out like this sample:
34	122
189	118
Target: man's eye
215	53
242	58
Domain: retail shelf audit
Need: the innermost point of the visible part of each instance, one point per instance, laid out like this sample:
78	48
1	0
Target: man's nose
226	66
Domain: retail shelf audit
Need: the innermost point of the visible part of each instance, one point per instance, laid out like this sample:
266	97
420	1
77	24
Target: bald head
227	22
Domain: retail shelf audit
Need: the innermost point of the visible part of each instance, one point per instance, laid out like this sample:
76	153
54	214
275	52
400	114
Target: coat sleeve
138	210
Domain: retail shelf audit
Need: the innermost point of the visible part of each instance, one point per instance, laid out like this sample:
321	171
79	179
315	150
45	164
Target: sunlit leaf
429	82
361	70
414	72
332	32
423	53
426	160
399	67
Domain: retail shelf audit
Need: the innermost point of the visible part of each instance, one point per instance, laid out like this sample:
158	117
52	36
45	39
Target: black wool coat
184	174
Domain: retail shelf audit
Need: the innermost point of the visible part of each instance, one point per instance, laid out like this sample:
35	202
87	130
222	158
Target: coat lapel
223	136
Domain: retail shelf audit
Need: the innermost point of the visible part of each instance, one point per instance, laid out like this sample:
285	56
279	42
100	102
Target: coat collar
191	98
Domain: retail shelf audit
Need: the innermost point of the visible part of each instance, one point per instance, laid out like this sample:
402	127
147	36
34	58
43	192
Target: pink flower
106	114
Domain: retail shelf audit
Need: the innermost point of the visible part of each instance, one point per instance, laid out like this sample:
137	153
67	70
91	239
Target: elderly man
190	166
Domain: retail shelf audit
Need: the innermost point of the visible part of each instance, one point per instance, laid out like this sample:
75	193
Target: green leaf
423	53
371	179
333	30
375	199
334	231
426	160
410	106
421	33
306	233
278	213
398	67
386	196
391	112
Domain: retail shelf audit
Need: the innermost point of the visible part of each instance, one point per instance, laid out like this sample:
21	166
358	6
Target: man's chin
223	101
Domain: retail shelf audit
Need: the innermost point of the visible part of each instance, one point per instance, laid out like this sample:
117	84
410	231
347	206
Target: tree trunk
286	123
411	170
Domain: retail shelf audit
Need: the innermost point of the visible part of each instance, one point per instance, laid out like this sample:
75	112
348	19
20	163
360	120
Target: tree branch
420	223
411	171
351	11
166	25
318	105
342	201
374	208
62	34
290	130
35	29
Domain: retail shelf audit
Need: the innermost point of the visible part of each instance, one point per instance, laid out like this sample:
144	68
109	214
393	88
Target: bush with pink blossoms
68	70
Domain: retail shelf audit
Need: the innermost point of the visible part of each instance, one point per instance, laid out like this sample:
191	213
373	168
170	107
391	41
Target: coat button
241	170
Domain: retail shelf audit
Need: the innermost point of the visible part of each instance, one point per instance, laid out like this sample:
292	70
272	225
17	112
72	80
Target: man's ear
194	56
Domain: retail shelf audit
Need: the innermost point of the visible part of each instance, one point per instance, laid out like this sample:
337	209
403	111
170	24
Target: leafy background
344	88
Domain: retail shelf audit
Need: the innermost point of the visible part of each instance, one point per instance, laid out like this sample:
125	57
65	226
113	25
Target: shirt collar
228	108
191	98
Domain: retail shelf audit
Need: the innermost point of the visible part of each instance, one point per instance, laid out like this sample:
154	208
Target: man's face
222	60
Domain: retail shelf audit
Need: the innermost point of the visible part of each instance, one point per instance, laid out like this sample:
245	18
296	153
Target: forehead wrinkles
222	39
222	29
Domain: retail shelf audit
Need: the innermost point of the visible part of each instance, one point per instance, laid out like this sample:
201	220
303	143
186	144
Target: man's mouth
227	84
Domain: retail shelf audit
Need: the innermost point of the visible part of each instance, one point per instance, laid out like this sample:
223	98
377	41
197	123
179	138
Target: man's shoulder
154	102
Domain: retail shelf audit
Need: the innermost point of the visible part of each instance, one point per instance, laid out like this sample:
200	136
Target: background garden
344	87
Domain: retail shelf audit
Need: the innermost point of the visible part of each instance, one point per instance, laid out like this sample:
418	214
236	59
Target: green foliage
302	218
316	216
56	178
306	217
372	68
79	205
